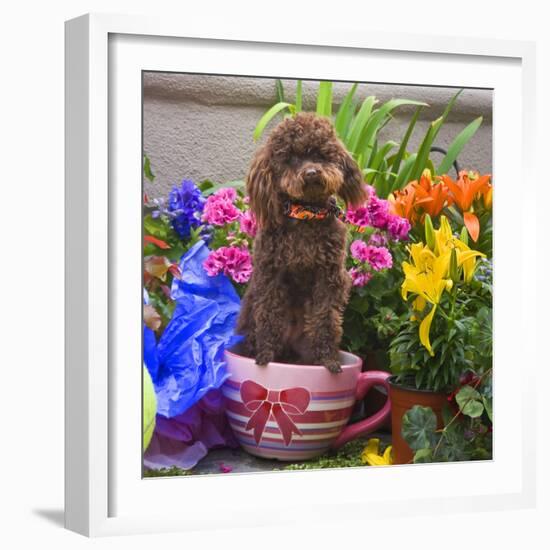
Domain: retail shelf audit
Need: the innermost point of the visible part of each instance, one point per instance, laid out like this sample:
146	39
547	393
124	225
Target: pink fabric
186	439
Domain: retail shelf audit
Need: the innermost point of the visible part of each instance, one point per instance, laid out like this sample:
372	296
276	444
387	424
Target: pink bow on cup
280	403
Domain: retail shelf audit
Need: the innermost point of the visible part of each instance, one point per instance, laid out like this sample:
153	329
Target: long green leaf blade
359	122
403	147
298	102
424	150
458	144
382	154
379	119
345	113
404	174
266	118
429	138
324	98
280	91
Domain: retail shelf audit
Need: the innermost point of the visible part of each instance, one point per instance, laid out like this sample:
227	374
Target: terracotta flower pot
402	398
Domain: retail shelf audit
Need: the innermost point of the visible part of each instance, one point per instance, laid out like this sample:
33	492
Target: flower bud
429	232
453	268
464	236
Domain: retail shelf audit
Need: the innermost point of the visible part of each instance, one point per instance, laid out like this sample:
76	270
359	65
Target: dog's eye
295	161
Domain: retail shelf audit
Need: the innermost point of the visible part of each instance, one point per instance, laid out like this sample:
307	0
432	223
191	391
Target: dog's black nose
311	174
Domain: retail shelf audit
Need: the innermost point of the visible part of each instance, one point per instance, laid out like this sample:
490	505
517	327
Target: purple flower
359	250
378	211
379	257
185	203
359	277
359	216
399	228
378	239
219	208
233	261
227	194
248	223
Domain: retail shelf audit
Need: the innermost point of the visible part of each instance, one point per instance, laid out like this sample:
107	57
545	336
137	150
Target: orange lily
421	197
468	187
437	192
403	202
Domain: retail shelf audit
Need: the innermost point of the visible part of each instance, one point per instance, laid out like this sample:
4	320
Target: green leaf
469	402
359	122
298	102
422	159
237	184
404	142
280	91
423	456
464	235
155	227
147	169
379	119
205	185
404	175
345	113
267	116
446	414
324	98
488	404
424	149
418	427
458	144
374	163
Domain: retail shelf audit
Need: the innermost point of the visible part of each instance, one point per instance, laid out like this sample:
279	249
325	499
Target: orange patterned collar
307	211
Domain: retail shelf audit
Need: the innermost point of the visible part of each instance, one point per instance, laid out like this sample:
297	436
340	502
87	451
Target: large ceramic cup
296	412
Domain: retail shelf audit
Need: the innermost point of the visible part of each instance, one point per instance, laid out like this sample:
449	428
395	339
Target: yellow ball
149	408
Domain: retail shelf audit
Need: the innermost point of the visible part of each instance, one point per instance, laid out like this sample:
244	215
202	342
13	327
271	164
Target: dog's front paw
333	365
263	358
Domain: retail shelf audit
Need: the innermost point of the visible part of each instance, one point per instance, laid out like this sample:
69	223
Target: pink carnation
233	261
358	216
219	208
226	193
248	223
359	250
378	239
379	257
379	212
399	228
358	277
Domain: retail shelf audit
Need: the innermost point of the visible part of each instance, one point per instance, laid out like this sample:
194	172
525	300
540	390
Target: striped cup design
288	412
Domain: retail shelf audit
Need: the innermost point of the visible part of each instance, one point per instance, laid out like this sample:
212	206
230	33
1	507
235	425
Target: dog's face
303	160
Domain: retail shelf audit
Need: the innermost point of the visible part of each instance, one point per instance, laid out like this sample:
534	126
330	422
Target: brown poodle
292	310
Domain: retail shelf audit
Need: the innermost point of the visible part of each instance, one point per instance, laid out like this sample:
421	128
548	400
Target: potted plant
440	340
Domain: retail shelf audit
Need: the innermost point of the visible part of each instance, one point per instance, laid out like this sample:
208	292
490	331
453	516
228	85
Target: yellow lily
371	454
427	277
445	241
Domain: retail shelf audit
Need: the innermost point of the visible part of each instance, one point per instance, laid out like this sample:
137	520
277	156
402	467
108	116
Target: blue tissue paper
188	360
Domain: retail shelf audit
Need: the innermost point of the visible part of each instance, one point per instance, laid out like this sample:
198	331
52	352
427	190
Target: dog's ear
261	187
353	190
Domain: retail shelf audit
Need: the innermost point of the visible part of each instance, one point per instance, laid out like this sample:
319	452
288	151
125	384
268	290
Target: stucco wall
200	127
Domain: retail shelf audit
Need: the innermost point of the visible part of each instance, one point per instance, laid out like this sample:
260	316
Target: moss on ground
349	455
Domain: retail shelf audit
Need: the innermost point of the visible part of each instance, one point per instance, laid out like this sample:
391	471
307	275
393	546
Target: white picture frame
105	493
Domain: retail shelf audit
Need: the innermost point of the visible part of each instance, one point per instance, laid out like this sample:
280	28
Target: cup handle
365	382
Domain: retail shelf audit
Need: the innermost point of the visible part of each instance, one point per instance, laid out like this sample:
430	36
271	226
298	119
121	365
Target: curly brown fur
292	310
